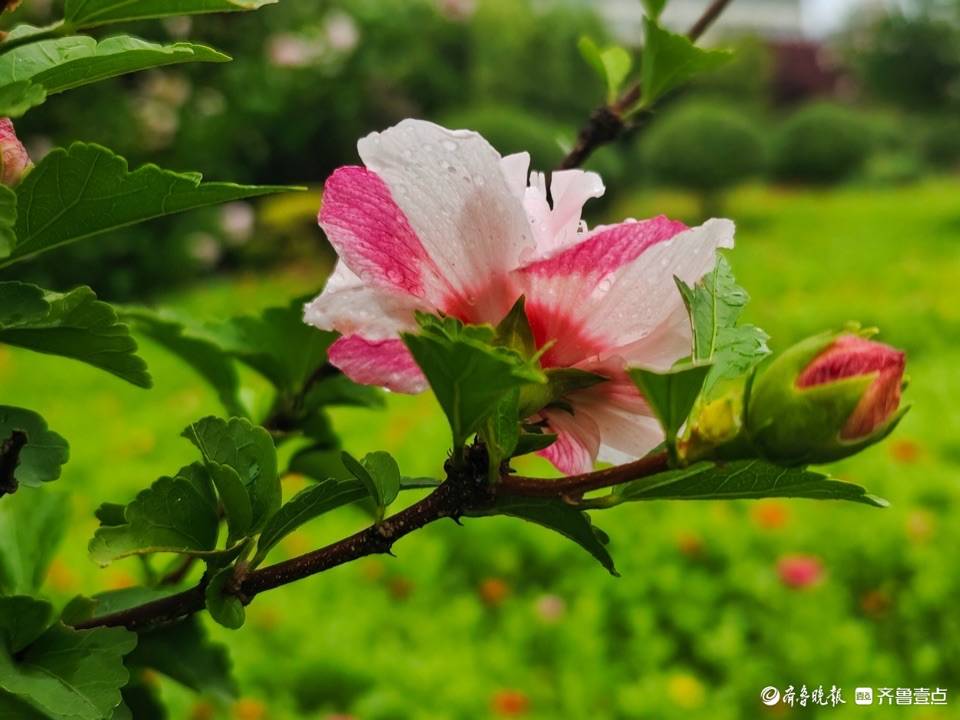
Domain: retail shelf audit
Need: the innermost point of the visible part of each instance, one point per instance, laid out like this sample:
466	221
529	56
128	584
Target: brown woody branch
464	492
607	123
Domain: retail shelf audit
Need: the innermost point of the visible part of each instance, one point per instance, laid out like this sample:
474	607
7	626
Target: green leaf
69	62
670	60
501	431
17	98
90	13
184	652
28	450
468	375
247	449
379	474
560	383
70	674
173	515
224	607
22	620
715	305
533	442
73	325
264	343
672	394
306	505
612	64
740	479
32	523
8	213
110	514
86	190
236	501
205	357
514	331
654	8
557	515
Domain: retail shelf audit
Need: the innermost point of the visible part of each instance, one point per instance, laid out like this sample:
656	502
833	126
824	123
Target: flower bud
825	398
14	161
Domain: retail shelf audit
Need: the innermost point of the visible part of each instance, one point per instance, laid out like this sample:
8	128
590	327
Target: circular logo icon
770	695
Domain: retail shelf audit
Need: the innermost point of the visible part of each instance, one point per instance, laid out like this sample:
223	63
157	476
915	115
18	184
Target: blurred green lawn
698	623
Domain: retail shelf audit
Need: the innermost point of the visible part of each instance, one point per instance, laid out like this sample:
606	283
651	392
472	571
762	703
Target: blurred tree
821	143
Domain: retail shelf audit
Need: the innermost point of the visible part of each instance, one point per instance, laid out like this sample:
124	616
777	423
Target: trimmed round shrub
703	146
940	143
822	143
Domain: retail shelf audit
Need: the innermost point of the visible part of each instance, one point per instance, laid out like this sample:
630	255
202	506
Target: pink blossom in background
438	221
13	154
800	571
852	356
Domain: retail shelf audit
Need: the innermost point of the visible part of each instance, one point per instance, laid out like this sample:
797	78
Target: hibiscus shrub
460	272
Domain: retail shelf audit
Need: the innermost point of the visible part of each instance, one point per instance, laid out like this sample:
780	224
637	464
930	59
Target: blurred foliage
821	143
703	146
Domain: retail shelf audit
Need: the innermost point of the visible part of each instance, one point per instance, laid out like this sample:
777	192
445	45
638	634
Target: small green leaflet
225	608
514	330
310	503
379	474
671	394
248	451
562	518
74	325
612	64
69	674
206	357
76	193
670	60
90	13
177	515
32	523
654	8
69	62
736	480
36	454
17	98
715	305
468	374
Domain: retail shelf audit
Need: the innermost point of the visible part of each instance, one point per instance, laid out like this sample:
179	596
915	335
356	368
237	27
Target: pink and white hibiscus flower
438	221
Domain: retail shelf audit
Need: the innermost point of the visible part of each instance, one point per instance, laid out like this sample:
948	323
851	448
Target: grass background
500	619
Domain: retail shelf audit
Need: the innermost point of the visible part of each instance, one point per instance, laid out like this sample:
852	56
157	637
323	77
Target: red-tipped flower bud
14	160
825	398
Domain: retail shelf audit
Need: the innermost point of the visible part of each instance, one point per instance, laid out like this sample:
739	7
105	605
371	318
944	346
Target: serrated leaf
86	190
672	394
70	674
183	651
379	474
224	608
715	304
74	325
670	60
310	503
264	343
741	479
90	13
22	620
32	523
468	376
249	451
207	358
19	97
65	63
172	515
560	517
30	452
